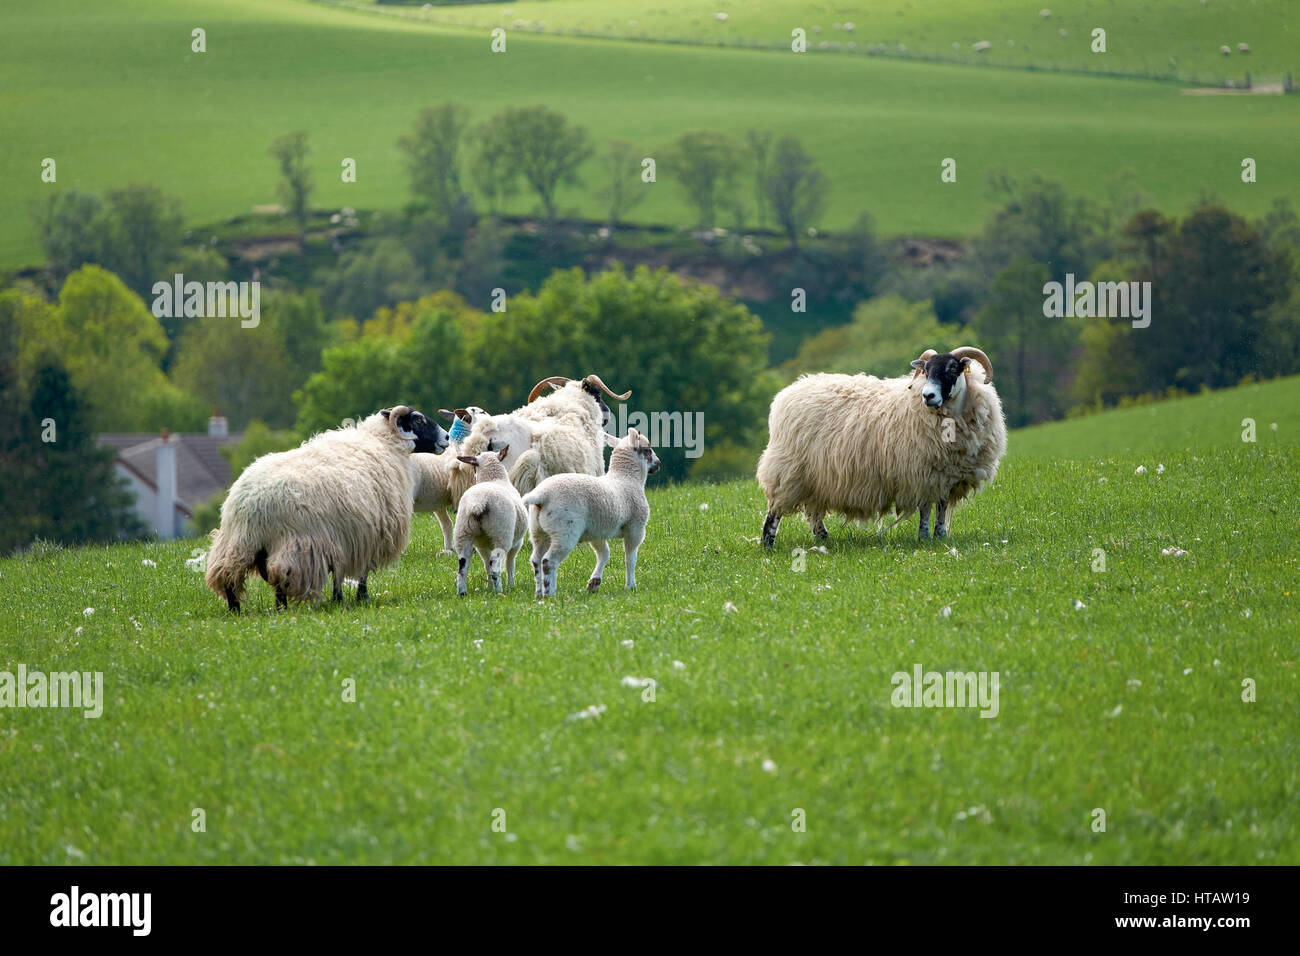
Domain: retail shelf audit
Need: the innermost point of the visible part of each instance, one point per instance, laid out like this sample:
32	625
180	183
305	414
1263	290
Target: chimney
166	517
217	425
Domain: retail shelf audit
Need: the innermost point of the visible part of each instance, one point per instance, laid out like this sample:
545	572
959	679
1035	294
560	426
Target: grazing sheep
566	509
864	446
438	480
490	519
558	433
338	504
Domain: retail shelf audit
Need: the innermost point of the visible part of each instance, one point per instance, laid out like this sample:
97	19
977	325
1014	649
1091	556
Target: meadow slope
115	95
773	686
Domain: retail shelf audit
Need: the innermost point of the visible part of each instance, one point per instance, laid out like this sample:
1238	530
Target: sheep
491	519
338	504
558	433
438	484
566	509
864	446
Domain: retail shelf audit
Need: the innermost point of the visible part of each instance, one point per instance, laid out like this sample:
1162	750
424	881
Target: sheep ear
468	460
502	452
965	363
918	364
385	412
445	413
611	440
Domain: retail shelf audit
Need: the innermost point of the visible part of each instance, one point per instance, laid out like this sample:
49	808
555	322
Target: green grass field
115	96
1143	36
1131	704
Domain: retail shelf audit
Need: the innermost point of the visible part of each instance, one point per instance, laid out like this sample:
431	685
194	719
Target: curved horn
540	386
923	357
969	351
594	379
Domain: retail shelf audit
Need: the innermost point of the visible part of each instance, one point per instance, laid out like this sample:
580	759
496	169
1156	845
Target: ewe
566	509
864	446
339	504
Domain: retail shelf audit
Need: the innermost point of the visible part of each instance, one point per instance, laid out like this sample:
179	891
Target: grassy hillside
114	94
1181	37
773	684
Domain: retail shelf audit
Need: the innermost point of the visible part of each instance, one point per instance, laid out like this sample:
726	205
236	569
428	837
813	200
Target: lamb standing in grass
439	481
566	509
490	518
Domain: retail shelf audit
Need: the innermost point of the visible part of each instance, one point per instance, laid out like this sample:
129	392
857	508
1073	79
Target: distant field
1156	37
1120	690
114	94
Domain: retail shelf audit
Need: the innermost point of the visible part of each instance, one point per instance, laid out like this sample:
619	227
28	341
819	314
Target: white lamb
489	519
566	509
339	504
439	480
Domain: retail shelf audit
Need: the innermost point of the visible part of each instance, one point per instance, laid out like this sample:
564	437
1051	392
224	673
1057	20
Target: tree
15	430
704	163
492	171
73	230
760	146
244	372
1028	349
625	189
143	235
290	152
433	152
796	188
538	144
75	495
1040	221
378	273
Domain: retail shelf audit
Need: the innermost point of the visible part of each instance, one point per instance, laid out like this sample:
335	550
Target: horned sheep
338	504
490	519
864	446
567	509
556	433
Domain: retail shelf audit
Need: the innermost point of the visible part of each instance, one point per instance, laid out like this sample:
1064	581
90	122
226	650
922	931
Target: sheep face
426	435
945	380
637	446
592	389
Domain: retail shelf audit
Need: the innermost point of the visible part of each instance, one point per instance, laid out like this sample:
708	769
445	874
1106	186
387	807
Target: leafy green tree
73	230
143	236
356	379
539	145
759	142
623	189
378	273
433	156
15	431
290	152
796	188
704	164
1028	350
75	495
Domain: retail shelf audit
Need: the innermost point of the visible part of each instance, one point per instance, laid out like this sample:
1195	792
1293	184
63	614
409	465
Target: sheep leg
942	518
492	565
925	521
281	599
232	602
362	593
540	543
630	545
770	525
464	553
337	595
445	522
551	562
601	547
816	521
510	565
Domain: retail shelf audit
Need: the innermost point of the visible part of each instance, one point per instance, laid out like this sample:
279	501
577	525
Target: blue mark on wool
459	430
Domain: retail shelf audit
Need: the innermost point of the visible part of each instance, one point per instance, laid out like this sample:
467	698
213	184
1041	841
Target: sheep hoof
940	533
924	535
593	585
445	551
